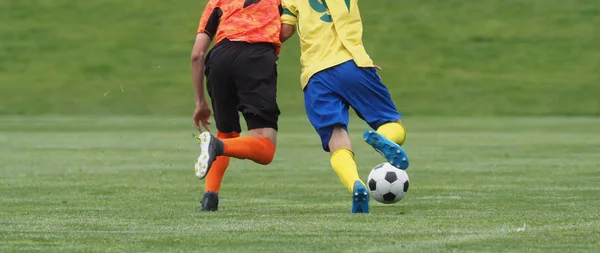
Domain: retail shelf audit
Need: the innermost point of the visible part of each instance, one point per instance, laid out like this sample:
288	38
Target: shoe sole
392	152
203	162
360	200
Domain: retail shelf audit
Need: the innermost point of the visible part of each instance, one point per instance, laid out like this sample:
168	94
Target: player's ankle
220	147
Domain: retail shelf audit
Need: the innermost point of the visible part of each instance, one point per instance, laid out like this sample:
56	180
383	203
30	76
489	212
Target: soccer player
241	75
337	73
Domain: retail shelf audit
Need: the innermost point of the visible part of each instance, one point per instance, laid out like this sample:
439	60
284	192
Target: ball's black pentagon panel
405	186
373	185
391	176
389	197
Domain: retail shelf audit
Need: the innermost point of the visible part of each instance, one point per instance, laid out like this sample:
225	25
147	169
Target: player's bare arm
202	112
287	31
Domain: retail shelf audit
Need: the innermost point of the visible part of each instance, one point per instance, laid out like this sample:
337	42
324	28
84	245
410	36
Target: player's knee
265	133
262	126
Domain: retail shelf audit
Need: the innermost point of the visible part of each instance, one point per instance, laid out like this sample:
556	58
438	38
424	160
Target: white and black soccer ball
387	183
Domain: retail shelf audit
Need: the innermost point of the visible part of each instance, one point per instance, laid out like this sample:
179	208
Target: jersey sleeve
290	12
211	17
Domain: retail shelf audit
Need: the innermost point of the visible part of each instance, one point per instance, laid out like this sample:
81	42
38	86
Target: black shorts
242	77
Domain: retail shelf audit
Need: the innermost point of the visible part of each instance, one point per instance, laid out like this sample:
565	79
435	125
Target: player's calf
259	150
393	131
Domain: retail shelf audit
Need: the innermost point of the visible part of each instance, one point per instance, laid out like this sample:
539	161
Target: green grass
440	57
102	180
126	184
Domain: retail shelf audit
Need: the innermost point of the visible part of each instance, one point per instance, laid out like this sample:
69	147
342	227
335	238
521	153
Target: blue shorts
329	94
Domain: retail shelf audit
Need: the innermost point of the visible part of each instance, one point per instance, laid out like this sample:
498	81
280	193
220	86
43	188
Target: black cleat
210	202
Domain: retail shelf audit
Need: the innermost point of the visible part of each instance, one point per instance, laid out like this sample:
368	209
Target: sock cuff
222	135
392	123
344	150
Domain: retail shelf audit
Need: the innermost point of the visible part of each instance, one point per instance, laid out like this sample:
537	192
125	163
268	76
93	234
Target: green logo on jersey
322	8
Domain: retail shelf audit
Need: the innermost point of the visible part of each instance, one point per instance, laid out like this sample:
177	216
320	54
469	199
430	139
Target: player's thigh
256	85
221	90
325	108
371	99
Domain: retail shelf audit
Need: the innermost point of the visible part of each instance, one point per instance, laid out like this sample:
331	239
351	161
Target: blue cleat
392	152
360	198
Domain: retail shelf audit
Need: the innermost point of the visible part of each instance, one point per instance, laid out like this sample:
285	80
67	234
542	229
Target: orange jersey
250	21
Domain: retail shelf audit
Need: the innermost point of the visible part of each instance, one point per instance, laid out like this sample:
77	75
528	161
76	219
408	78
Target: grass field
493	57
96	147
126	184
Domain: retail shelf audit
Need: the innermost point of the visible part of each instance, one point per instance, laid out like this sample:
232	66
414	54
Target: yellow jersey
330	33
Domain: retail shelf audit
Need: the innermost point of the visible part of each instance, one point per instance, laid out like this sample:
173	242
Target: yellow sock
393	131
343	164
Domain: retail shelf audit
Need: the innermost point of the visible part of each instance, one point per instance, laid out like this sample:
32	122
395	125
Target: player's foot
210	148
392	152
360	198
210	202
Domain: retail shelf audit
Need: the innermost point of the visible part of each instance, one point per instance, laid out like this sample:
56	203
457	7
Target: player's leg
372	101
328	114
393	131
228	126
214	177
255	77
257	92
223	95
343	163
342	157
388	139
224	101
257	147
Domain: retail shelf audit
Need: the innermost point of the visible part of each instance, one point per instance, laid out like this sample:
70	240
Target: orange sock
217	170
259	150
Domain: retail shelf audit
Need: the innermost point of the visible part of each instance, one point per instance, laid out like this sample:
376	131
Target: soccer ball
387	183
